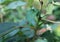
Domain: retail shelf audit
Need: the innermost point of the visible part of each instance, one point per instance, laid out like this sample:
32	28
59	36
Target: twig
51	21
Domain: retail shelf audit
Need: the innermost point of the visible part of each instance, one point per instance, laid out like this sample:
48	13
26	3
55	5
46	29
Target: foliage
29	21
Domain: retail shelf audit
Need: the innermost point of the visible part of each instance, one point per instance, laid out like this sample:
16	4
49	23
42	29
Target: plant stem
1	17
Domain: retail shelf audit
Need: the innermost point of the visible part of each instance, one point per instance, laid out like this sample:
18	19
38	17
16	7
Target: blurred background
29	20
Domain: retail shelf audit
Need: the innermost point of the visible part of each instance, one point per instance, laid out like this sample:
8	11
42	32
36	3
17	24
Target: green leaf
22	22
14	5
56	29
50	8
12	33
30	17
28	32
1	1
13	39
4	27
40	40
30	2
57	0
57	3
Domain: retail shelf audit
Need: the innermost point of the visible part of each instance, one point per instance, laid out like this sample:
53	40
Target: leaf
6	26
12	33
40	40
36	4
13	39
50	1
54	26
1	1
30	17
56	29
14	16
30	2
28	32
14	5
57	3
57	0
50	8
22	23
45	3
